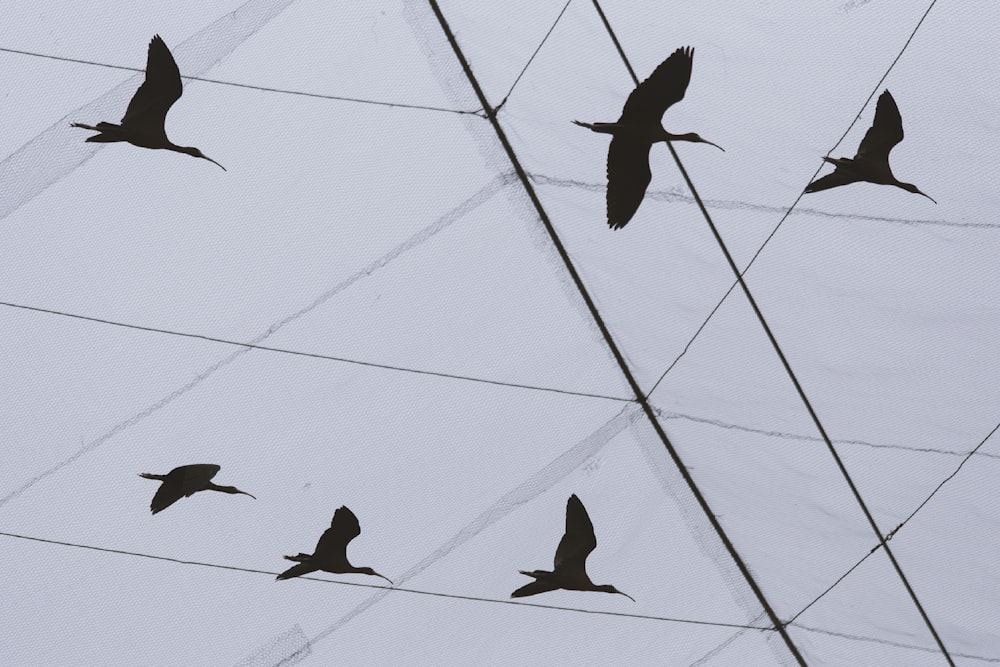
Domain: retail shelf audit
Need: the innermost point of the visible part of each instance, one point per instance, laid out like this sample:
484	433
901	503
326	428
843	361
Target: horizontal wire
314	355
388	588
248	86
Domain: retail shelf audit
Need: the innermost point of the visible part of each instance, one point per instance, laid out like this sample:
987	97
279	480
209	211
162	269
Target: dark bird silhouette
638	129
185	481
330	554
143	124
871	164
569	571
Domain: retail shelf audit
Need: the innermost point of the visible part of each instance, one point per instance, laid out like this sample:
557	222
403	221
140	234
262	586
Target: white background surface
398	236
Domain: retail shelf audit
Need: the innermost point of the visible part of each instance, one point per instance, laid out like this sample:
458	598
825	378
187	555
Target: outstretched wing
162	87
297	571
534	588
664	87
578	541
837	178
342	530
166	495
628	177
886	131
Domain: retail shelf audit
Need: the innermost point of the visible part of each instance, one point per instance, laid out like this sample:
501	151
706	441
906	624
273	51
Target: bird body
144	122
638	128
330	554
569	571
871	164
185	481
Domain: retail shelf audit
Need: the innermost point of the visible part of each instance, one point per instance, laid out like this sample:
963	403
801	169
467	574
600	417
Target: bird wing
628	177
578	541
886	131
664	87
168	494
534	588
162	87
342	530
297	571
837	178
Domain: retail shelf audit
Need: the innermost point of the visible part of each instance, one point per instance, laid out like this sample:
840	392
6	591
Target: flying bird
186	481
871	164
569	571
638	129
330	554
143	124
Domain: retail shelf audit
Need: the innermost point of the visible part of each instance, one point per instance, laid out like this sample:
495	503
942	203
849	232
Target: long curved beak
223	169
721	149
928	196
244	492
626	594
386	578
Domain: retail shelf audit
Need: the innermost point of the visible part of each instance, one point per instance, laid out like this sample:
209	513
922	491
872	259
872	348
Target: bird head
696	138
608	588
233	489
194	152
910	187
368	570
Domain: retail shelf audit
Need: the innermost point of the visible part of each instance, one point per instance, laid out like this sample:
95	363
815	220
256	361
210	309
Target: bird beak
386	578
928	196
721	149
244	492
626	595
223	169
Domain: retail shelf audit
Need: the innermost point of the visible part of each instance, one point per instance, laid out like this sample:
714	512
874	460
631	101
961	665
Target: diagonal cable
606	333
786	365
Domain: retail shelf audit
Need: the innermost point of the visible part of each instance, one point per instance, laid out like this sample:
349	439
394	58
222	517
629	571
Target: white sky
400	237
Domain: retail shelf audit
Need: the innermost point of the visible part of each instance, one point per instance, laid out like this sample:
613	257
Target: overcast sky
433	364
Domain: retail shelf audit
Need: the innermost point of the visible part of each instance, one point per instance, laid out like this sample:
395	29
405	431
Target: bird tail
108	132
296	570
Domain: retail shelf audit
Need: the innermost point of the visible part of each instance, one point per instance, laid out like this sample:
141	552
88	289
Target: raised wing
578	541
628	177
664	87
886	131
342	530
162	87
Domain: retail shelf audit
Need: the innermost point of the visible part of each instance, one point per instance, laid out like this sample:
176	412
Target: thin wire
892	533
886	642
606	334
414	591
785	363
798	198
248	86
528	64
312	355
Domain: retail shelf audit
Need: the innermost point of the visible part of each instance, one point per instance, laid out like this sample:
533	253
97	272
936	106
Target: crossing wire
606	333
784	361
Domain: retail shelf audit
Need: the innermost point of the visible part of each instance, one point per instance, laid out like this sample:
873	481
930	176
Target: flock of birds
569	571
633	134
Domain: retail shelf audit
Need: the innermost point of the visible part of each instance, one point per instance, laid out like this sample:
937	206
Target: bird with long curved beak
871	164
638	128
330	554
145	118
185	481
569	569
